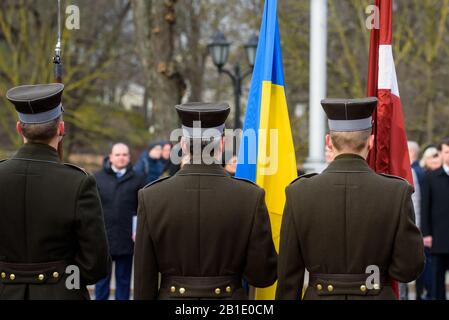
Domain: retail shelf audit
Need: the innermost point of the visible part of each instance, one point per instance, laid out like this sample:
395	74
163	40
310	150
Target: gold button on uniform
319	287
182	290
12	276
228	289
330	288
376	286
173	289
363	288
217	291
55	274
3	275
41	277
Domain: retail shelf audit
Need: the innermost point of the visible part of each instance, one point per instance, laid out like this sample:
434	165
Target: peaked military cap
203	120
37	103
349	114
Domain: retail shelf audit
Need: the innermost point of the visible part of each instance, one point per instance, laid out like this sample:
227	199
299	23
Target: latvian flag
390	152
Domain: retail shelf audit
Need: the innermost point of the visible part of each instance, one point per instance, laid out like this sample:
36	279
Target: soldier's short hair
352	140
212	143
40	132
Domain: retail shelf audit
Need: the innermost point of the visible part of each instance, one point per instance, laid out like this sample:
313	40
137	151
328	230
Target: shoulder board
246	180
156	181
307	175
70	165
393	177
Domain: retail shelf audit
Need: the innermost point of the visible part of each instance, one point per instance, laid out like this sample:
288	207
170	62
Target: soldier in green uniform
353	230
201	229
52	234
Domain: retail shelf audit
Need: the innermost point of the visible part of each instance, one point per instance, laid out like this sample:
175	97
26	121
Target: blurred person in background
149	164
414	152
118	186
170	168
435	219
423	283
431	159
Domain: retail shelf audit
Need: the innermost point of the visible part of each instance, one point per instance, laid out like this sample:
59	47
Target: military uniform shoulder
304	176
245	180
156	181
394	177
75	167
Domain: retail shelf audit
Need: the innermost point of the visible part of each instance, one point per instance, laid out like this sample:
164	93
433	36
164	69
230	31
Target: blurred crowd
430	170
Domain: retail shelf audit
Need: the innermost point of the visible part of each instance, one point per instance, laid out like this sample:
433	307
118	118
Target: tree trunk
429	124
154	22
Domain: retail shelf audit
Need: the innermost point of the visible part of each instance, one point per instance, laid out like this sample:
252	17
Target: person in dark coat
52	234
435	221
150	163
118	186
413	148
424	282
214	234
363	235
170	168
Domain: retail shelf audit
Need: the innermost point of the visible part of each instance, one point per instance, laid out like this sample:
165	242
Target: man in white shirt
118	186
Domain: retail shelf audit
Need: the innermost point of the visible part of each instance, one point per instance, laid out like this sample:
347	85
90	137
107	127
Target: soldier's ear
19	128
61	128
329	144
184	146
222	144
371	142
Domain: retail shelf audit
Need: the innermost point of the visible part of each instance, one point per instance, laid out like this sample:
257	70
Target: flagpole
317	85
57	62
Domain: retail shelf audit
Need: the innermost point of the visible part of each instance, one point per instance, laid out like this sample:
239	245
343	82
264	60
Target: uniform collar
348	162
37	151
192	169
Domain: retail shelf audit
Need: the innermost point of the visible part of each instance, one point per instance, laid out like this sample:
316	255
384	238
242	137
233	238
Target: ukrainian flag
266	153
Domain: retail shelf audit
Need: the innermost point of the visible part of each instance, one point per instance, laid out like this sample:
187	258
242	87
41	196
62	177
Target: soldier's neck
52	143
363	154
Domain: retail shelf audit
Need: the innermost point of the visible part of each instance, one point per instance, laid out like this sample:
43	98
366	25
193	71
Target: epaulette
394	177
246	180
156	181
70	165
307	175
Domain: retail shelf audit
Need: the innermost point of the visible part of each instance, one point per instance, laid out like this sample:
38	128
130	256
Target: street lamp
251	48
219	51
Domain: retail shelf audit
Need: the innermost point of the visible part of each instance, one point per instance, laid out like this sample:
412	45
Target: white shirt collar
121	171
446	169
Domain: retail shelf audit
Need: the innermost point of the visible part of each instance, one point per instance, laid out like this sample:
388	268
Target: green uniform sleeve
146	270
291	266
260	269
92	257
408	250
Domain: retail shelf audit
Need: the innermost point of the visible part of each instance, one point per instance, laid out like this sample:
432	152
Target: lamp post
317	119
219	51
